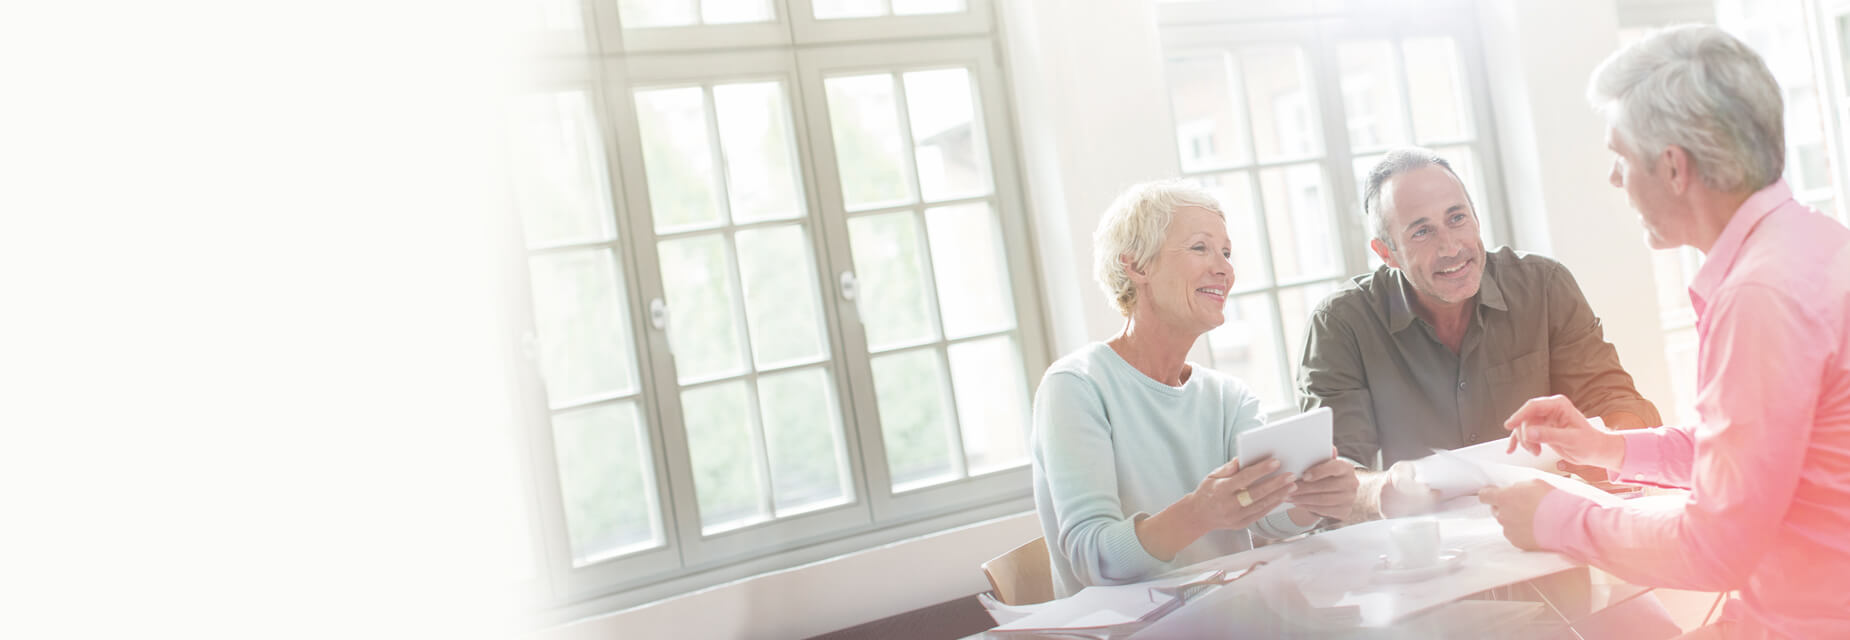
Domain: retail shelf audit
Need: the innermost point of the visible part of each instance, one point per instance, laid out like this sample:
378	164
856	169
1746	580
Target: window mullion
1326	61
908	155
675	485
860	412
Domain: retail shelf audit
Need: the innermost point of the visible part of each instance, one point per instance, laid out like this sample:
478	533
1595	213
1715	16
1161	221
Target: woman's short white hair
1134	226
1696	87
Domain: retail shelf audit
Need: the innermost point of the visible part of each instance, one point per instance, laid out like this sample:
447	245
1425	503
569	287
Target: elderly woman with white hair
1135	466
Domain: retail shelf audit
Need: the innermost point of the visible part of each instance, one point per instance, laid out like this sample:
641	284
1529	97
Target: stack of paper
1465	471
1107	611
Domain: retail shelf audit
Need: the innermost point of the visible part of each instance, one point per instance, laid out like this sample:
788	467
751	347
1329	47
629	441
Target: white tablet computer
1299	442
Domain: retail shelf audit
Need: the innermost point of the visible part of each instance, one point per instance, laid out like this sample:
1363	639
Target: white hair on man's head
1397	161
1696	87
1134	226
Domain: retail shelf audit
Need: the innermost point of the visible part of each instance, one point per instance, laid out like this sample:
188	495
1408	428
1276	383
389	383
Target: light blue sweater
1111	443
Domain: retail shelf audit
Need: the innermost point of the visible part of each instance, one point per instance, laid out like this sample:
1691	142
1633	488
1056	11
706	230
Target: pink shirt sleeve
1760	374
1661	457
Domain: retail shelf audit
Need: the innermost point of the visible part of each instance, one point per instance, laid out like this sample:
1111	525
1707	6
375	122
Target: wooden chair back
1023	575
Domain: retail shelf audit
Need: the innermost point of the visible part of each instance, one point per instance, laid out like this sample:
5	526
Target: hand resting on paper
1514	507
1553	421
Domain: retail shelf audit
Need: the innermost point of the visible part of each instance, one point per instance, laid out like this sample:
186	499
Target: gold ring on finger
1246	499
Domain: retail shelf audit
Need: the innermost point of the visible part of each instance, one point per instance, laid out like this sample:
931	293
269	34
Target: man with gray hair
1694	123
1435	348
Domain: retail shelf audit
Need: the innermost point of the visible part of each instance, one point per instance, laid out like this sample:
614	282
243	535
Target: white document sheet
1103	608
1455	474
1334	572
1463	471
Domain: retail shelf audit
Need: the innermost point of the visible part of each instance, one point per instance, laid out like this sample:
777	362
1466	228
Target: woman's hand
1328	489
1232	497
1554	421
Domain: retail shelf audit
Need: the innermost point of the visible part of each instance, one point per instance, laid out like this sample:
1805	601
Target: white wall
1093	118
1555	165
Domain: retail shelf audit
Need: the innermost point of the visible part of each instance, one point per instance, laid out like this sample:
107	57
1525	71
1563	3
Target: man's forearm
1624	420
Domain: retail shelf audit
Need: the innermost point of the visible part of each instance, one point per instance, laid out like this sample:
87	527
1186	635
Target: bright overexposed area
709	318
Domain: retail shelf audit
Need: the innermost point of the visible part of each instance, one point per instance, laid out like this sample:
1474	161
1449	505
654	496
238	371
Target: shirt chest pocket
1527	375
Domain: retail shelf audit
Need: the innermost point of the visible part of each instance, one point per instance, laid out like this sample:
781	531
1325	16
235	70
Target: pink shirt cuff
1643	461
1555	520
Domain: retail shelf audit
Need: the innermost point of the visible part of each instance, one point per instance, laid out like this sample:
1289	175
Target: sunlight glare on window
949	143
606	482
870	154
677	156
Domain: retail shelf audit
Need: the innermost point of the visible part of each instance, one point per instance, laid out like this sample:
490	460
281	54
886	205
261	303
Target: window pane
922	7
1304	242
703	325
607	482
1435	81
1682	351
735	11
677	155
914	417
761	168
580	314
832	9
1371	95
560	183
1210	116
782	304
952	157
1464	163
1295	305
868	149
1807	162
894	296
1363	165
809	464
657	13
991	402
1246	347
1235	193
1672	296
972	274
722	444
1284	111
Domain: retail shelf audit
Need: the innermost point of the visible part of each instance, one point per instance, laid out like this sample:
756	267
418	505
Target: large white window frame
1230	26
1830	51
610	68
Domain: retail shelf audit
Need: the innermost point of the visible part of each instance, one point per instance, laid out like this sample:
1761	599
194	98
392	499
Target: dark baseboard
950	620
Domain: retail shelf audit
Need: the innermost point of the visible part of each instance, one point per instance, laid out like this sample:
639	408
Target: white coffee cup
1413	543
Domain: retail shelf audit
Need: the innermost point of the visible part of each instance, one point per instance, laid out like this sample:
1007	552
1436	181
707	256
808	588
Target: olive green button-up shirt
1396	390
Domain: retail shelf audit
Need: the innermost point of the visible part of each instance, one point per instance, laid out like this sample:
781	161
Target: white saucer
1449	560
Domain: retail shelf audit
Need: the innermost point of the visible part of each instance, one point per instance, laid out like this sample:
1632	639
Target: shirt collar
1720	258
1397	297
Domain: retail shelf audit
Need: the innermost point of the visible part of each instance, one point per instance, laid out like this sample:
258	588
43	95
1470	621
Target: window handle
658	314
849	286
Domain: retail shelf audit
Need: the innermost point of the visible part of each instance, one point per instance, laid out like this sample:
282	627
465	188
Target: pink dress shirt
1768	466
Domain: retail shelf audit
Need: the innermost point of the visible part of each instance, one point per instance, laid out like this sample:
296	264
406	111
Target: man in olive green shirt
1437	348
